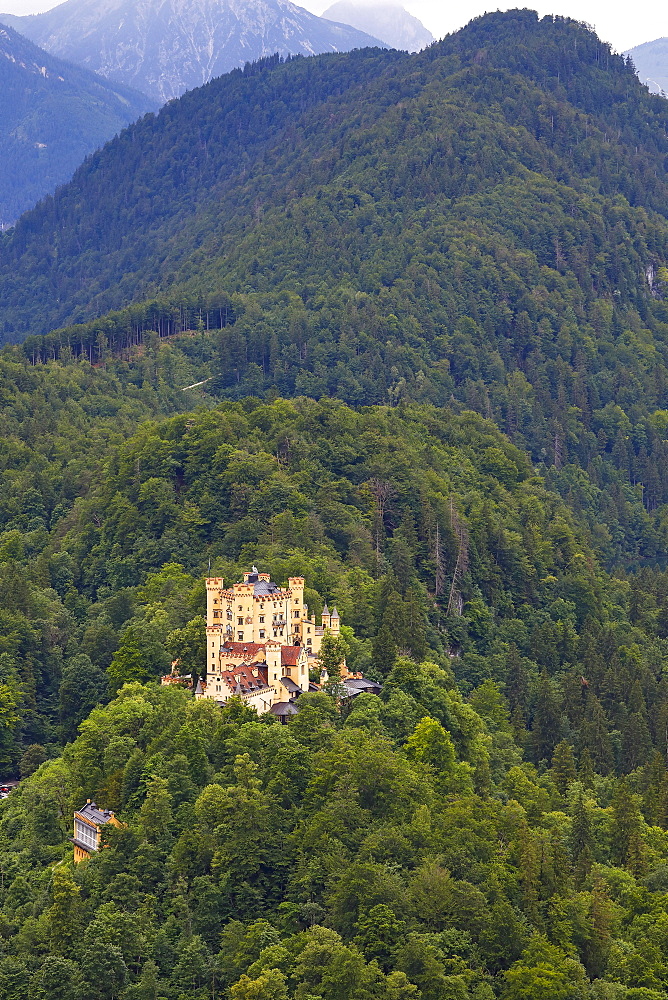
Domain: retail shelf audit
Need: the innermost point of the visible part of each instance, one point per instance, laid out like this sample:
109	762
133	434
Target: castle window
261	619
241	636
262	633
229	616
240	621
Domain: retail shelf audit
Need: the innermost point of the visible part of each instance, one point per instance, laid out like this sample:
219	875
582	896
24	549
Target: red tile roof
248	650
244	677
290	655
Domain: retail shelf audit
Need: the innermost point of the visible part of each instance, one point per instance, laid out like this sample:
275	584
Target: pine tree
595	737
597	945
416	619
626	828
586	769
529	871
582	841
563	766
517	683
546	727
383	652
655	797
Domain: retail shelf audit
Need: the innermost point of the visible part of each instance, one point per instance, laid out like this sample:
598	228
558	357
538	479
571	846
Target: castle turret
334	622
326	617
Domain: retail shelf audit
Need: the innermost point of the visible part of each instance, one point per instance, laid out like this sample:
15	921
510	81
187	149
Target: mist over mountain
53	114
389	21
651	61
165	47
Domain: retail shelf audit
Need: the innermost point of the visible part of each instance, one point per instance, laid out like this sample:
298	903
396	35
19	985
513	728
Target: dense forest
493	824
398	324
54	114
481	225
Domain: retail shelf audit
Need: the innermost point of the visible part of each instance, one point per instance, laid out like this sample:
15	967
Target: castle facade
261	641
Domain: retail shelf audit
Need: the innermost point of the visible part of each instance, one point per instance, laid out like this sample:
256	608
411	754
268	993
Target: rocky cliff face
53	114
651	63
165	47
388	21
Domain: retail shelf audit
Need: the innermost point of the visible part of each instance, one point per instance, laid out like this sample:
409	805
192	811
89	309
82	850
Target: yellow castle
261	641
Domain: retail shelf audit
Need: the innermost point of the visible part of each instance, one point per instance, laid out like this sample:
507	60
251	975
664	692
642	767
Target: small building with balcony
88	823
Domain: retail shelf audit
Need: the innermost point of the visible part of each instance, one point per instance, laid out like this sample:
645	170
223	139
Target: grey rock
389	21
651	62
165	47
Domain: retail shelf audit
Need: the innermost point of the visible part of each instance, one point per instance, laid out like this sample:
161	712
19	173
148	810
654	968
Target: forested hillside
495	821
399	325
480	225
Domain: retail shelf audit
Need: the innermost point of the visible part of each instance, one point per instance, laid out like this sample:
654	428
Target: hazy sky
620	23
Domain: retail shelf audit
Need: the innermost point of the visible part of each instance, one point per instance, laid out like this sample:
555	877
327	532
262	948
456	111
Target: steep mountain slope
651	61
483	223
556	117
53	114
165	47
389	21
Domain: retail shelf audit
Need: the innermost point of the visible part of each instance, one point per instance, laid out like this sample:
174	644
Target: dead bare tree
438	560
381	492
461	565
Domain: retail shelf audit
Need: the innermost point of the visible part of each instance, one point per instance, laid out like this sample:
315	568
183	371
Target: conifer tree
595	737
563	766
384	652
586	769
582	840
655	798
626	828
546	727
516	684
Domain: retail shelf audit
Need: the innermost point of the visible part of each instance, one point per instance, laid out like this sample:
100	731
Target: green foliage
389	881
468	252
490	236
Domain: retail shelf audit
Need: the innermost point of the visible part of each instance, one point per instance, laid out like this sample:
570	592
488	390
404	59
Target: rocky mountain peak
165	47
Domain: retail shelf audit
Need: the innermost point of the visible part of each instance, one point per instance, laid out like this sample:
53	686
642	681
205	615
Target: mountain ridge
478	226
388	21
165	47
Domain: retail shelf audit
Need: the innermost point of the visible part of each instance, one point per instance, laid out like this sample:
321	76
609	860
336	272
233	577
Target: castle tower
214	585
326	617
297	610
334	622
